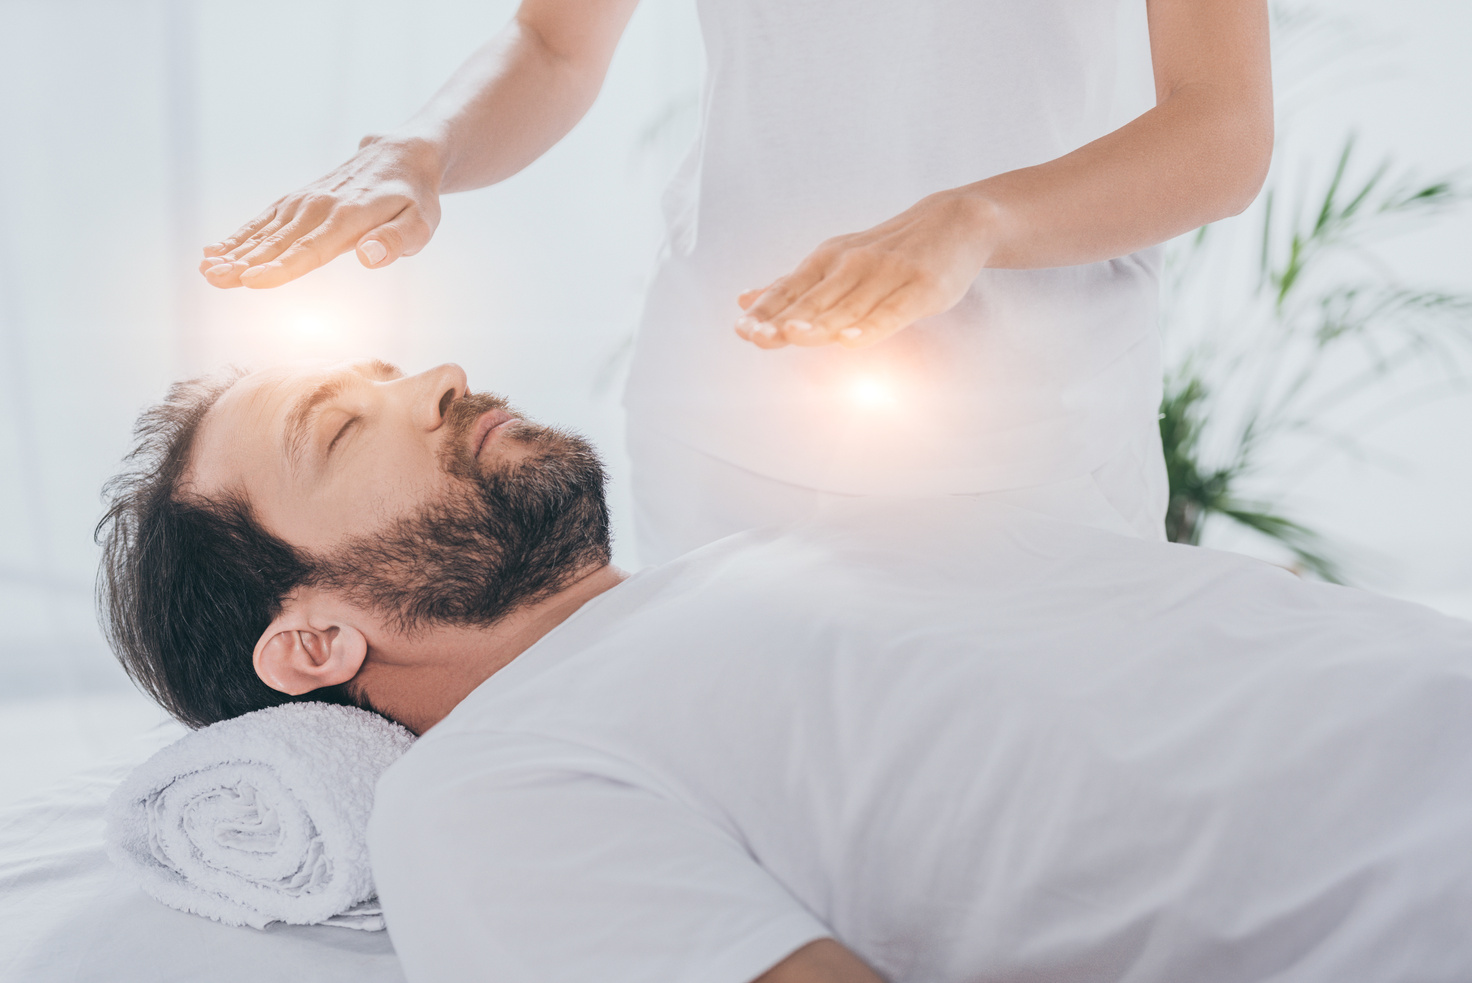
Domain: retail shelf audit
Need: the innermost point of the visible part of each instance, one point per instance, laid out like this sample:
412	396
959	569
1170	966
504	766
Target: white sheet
969	742
66	914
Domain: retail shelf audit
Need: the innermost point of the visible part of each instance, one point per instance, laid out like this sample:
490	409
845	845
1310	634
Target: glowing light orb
310	326
310	332
871	393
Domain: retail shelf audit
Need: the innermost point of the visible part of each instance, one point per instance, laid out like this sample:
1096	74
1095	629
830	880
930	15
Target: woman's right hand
384	201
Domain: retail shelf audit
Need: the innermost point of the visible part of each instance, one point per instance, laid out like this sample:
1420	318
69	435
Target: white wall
132	131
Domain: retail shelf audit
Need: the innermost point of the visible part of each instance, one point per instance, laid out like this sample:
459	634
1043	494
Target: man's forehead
266	391
240	430
261	383
261	394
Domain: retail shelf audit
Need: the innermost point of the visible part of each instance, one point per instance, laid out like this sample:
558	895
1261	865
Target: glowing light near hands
311	332
871	392
311	327
332	316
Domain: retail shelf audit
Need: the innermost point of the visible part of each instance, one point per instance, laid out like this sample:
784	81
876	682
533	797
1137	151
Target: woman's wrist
425	154
981	218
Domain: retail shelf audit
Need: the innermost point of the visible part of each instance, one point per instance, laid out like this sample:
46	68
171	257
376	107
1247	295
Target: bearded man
940	740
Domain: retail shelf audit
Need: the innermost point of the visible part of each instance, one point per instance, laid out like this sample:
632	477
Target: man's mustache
463	412
460	417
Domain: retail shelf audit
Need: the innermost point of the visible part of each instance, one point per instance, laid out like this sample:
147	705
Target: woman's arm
823	961
1200	155
502	109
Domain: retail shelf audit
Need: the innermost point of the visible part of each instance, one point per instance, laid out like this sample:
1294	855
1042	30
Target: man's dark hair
187	585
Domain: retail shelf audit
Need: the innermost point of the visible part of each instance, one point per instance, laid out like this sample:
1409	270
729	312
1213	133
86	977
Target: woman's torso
820	119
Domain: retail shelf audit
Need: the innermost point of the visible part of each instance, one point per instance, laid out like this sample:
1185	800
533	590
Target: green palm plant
1322	328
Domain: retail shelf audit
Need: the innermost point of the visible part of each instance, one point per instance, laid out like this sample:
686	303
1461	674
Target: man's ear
314	642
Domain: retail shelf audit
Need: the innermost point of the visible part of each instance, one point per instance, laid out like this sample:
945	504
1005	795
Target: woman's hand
1199	155
856	290
384	200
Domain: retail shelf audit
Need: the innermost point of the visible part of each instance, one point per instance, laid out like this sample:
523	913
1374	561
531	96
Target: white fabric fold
261	818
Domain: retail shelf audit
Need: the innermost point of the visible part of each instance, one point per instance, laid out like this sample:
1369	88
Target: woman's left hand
856	290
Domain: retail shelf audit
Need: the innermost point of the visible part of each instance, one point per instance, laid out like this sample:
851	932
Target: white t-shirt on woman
824	118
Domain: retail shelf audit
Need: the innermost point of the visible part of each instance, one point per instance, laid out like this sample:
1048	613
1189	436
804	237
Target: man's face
325	451
409	493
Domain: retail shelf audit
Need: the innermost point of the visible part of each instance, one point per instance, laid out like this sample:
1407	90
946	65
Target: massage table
66	914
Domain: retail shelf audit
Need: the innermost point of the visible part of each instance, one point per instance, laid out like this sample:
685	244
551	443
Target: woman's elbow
1246	151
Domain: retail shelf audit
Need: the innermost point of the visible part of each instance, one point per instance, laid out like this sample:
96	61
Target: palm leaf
1304	315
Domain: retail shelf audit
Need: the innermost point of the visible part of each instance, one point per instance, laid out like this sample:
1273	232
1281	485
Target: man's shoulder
446	770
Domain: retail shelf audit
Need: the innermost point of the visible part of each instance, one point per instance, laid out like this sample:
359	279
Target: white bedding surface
69	915
971	743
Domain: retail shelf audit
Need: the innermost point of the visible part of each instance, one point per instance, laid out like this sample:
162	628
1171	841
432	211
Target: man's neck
417	680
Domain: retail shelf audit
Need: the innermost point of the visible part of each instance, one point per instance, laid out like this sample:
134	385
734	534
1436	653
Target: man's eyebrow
382	369
298	421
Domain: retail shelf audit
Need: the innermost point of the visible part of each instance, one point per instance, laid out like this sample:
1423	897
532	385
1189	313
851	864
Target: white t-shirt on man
821	118
969	742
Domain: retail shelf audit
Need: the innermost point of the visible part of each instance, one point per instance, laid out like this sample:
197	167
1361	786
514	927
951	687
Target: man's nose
435	391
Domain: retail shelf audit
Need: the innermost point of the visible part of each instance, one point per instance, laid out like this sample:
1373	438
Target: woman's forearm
503	108
1199	156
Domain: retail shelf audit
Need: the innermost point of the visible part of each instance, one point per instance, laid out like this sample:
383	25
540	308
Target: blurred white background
134	131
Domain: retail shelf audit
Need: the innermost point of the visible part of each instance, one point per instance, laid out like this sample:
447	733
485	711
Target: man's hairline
180	490
185	490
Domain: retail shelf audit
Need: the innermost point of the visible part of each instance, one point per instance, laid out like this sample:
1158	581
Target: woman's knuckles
319	202
416	225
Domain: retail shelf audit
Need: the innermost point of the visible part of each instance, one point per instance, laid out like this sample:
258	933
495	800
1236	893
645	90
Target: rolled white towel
261	818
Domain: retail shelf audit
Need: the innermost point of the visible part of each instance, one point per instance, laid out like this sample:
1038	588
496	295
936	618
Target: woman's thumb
404	236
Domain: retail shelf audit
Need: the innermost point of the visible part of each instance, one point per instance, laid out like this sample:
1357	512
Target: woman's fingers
241	234
748	297
384	200
225	270
314	248
286	212
800	322
303	256
403	235
894	313
858	289
865	298
848	288
875	308
853	286
756	325
320	229
273	243
835	316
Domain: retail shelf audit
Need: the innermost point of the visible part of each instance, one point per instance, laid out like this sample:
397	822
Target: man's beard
511	535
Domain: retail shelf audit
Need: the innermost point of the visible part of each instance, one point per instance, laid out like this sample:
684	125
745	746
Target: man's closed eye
342	431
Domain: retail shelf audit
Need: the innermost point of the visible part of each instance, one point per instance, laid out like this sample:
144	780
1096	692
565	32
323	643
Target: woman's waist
989	349
880	431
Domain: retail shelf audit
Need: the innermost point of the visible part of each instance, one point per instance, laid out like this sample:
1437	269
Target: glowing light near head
328	315
871	392
311	332
310	326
